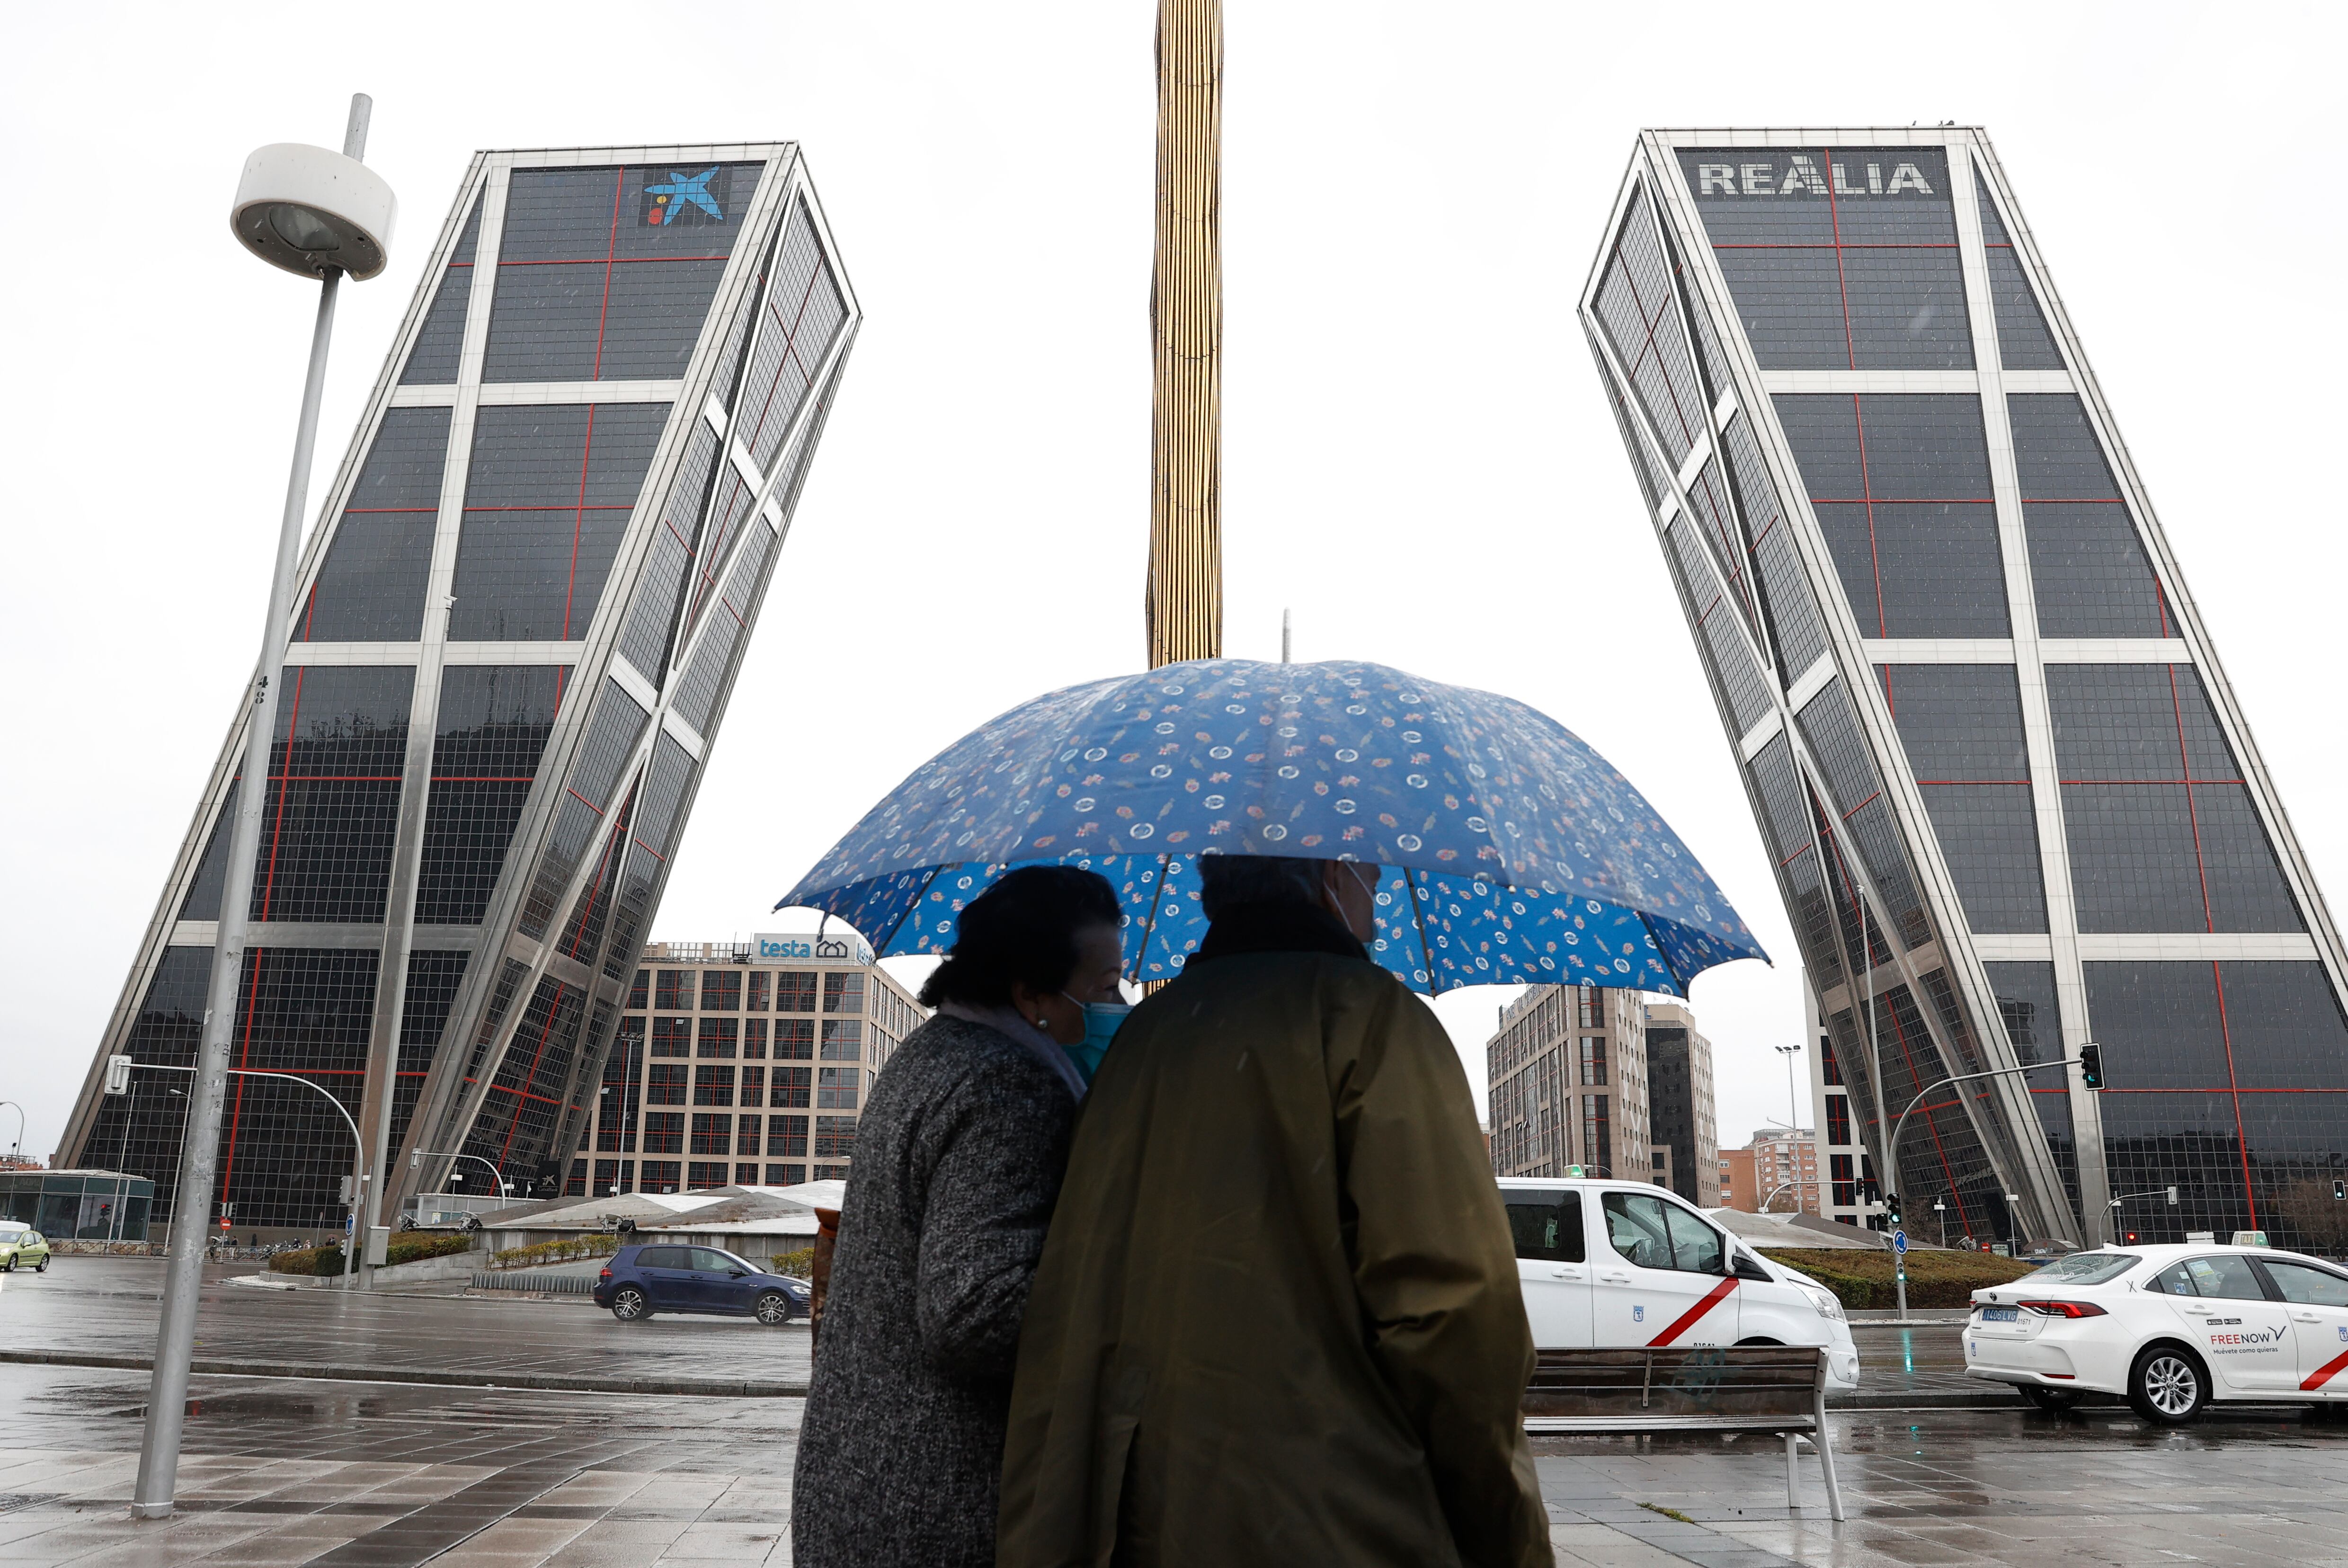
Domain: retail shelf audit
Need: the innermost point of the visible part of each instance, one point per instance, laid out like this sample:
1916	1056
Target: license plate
2001	1314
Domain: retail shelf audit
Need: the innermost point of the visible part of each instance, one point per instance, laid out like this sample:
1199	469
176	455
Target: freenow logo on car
2252	1338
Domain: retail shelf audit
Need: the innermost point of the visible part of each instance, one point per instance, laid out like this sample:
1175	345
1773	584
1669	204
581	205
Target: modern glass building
2014	804
517	627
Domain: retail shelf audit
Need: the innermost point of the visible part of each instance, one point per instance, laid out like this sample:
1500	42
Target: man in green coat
1277	1319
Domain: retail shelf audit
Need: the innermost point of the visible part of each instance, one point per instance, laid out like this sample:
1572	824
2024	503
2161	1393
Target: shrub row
1863	1280
326	1262
602	1244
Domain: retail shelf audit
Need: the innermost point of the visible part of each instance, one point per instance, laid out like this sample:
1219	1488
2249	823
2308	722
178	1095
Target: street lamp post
416	1157
320	214
16	1150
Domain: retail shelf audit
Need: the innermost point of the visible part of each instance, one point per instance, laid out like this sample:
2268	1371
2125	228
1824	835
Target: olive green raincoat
1277	1319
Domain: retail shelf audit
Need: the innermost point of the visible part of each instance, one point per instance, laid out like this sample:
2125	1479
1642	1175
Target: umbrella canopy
1509	851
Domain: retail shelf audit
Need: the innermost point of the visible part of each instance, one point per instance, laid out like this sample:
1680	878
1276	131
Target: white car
2170	1328
1626	1265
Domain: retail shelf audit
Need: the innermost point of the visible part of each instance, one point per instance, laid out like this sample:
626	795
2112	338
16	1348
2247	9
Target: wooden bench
1779	1388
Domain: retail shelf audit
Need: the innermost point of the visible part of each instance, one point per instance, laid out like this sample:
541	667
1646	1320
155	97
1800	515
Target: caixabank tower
517	624
2013	802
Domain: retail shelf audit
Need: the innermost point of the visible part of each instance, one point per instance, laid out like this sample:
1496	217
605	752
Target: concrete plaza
373	1472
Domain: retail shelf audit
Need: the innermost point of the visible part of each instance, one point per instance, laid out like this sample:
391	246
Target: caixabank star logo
685	199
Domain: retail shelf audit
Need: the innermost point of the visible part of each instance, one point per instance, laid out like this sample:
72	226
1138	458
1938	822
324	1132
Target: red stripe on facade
2233	1087
1689	1318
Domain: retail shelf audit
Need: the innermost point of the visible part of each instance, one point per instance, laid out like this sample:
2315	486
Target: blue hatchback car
640	1281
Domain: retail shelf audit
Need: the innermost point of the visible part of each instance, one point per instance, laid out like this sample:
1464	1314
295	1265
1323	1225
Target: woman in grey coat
958	1161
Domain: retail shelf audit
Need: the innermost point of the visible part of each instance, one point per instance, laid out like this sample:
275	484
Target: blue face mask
1102	1020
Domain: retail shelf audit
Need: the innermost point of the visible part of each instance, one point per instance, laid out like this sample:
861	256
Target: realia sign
831	947
1802	174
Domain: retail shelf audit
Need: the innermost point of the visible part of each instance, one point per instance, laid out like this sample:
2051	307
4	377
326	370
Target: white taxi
1626	1265
2170	1328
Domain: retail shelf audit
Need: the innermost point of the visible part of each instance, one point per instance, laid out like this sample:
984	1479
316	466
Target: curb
720	1388
1999	1398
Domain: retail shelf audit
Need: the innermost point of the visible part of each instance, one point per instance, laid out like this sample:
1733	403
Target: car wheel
774	1308
2054	1402
1759	1339
41	1267
629	1304
10	1266
2167	1387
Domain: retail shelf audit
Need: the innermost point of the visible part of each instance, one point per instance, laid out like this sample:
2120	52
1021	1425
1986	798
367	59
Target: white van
1624	1265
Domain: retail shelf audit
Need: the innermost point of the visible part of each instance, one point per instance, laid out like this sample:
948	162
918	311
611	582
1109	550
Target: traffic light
2172	1197
2340	1190
2091	1066
1891	1207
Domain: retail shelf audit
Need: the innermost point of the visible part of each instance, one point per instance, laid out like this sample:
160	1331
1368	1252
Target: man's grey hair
1226	882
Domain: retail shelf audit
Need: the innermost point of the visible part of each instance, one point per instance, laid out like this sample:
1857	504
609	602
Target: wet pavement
104	1309
387	1474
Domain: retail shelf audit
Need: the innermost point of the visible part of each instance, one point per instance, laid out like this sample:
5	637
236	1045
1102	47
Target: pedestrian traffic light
2091	1066
1891	1207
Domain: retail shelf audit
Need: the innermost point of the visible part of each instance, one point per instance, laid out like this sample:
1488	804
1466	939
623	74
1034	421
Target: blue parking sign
1900	1243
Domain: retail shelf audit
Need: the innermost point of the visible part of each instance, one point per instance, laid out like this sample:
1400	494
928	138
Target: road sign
1900	1243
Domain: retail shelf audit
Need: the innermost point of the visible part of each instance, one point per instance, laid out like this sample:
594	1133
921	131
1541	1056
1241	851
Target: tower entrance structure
518	622
2012	803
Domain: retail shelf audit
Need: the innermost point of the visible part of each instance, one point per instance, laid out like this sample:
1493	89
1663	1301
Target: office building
1786	1170
741	1065
1850	1169
1567	1082
516	628
1736	1182
2012	801
1679	1101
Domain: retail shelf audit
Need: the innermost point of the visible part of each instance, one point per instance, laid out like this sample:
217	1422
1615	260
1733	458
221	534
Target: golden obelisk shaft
1185	606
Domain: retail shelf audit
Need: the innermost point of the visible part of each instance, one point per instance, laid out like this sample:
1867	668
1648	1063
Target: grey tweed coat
959	1158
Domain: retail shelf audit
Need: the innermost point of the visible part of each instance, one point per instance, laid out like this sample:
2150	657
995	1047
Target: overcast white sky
1417	456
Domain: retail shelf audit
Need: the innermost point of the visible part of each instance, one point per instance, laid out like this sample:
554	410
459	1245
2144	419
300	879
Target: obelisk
1185	596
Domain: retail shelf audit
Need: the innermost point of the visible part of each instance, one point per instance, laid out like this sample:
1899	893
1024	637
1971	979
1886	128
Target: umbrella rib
1150	932
906	913
1426	945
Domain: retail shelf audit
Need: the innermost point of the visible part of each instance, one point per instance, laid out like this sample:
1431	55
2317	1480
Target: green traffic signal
2091	1066
1891	1207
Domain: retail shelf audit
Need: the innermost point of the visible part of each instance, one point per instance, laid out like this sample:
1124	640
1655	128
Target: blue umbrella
1509	851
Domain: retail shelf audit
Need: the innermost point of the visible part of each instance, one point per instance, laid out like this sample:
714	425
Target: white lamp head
313	212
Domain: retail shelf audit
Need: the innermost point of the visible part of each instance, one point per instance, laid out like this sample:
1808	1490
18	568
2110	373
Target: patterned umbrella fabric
1508	850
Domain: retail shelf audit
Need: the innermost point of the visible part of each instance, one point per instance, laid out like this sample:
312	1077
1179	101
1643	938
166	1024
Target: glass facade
598	413
2013	811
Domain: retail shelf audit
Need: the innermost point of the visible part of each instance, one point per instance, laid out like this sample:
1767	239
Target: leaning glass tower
2012	803
517	624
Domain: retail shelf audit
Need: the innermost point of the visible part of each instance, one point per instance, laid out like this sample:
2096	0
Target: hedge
799	1265
601	1244
1935	1279
327	1262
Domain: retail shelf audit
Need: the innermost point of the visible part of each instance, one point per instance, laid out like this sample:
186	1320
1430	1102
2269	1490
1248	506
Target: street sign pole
1900	1269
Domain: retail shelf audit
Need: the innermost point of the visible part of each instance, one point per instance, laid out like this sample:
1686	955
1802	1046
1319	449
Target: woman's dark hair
1024	928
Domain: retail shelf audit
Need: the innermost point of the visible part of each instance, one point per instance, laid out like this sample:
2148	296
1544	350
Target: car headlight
1825	1301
